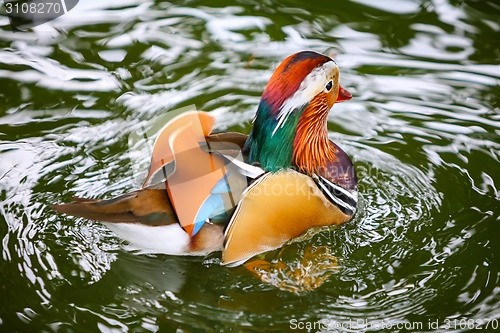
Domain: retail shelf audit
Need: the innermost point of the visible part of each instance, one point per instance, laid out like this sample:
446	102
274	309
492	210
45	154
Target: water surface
423	130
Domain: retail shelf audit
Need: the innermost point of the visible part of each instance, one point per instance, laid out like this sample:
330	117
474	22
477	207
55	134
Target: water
423	130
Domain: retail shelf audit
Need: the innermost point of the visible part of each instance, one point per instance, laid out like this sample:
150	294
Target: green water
423	130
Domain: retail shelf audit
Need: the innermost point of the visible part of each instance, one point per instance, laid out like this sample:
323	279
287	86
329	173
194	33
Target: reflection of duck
243	195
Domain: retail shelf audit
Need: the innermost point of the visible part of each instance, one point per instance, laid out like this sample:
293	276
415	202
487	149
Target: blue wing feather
213	205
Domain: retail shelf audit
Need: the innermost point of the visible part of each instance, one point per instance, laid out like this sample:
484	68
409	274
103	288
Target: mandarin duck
244	195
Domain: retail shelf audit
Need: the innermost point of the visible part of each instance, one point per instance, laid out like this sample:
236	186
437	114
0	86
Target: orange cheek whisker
312	148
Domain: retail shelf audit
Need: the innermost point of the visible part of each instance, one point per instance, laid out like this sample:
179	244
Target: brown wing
274	209
234	138
228	143
147	206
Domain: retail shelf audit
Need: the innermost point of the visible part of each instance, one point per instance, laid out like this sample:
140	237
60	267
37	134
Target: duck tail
148	206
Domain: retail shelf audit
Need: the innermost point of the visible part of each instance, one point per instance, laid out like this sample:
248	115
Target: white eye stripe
313	84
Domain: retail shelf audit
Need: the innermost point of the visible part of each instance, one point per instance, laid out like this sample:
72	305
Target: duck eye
329	85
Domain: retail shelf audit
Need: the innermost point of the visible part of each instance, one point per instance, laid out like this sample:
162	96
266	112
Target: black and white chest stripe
344	199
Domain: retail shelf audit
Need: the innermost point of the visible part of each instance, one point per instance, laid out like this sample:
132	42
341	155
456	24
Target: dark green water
423	130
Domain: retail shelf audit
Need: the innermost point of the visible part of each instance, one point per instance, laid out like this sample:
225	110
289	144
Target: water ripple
422	129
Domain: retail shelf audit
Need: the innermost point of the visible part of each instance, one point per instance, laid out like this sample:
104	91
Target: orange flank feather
273	210
162	153
196	173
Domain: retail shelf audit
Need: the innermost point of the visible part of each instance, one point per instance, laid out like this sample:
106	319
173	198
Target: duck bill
344	95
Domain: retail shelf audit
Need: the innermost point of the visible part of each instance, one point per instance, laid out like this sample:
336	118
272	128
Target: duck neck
269	144
312	150
301	141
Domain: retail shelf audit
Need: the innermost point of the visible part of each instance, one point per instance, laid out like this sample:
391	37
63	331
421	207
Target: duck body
241	194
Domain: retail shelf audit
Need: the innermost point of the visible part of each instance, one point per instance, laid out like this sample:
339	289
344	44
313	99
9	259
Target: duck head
290	127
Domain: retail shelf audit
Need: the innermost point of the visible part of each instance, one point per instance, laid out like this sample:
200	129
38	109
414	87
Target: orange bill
344	95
